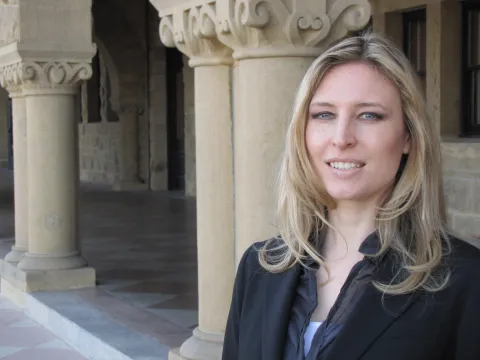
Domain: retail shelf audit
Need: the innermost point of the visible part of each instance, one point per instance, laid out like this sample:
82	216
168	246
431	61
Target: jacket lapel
372	315
277	299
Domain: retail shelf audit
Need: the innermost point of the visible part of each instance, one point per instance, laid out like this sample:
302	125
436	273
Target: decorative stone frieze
193	32
260	28
277	28
45	77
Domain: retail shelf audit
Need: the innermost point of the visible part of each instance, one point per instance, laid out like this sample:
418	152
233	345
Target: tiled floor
143	247
23	339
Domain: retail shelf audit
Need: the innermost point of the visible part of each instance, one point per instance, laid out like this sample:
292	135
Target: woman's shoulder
463	259
250	261
464	250
250	256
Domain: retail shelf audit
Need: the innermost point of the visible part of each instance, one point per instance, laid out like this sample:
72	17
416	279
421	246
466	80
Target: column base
31	281
49	262
16	254
201	346
129	186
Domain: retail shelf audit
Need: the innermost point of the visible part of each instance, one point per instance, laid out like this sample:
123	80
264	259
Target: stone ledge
174	354
31	281
90	331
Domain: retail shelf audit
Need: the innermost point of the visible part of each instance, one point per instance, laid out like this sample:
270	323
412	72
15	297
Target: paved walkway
143	248
23	339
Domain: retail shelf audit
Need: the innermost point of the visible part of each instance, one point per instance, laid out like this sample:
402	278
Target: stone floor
23	339
143	247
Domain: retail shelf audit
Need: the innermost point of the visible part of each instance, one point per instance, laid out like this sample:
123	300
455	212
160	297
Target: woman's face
355	133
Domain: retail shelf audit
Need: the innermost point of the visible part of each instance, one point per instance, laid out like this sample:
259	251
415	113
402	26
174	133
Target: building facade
194	96
441	38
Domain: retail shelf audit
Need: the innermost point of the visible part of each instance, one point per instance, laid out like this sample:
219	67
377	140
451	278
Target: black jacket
419	326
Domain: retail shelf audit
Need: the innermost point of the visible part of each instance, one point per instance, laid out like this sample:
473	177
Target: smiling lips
345	165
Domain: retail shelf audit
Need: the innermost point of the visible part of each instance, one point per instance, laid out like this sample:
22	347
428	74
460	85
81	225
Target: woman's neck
354	222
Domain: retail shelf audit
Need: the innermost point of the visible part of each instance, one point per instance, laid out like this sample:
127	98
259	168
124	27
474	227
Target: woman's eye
323	115
371	116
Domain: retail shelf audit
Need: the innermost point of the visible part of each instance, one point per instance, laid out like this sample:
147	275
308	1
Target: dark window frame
408	17
469	72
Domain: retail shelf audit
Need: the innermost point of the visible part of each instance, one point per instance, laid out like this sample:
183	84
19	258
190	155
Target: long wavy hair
411	221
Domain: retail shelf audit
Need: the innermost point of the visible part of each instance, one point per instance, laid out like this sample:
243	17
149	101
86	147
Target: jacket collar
373	308
277	302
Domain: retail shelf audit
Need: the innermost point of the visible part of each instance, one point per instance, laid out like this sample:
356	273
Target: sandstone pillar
20	171
52	168
444	75
128	178
9	80
273	45
214	173
47	60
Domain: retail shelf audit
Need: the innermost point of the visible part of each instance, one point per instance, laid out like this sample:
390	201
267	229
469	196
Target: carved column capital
277	28
44	77
194	32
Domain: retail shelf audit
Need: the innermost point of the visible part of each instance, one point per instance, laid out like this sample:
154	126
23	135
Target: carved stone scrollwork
44	77
272	28
193	32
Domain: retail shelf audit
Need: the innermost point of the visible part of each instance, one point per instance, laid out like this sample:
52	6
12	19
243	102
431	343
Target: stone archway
124	55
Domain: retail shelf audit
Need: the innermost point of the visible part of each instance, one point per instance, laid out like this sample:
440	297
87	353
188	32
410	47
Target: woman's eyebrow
322	103
361	104
372	104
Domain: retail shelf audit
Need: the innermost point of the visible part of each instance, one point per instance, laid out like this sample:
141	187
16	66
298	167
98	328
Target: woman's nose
344	134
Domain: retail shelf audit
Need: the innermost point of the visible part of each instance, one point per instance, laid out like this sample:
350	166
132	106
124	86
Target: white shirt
309	334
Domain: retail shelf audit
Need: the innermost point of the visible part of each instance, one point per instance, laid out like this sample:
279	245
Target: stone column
444	75
129	158
47	60
273	45
20	171
9	80
52	154
214	173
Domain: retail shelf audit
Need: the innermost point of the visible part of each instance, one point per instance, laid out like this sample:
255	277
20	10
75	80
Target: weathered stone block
458	194
468	225
461	156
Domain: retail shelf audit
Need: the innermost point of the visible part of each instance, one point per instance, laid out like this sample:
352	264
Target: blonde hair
411	222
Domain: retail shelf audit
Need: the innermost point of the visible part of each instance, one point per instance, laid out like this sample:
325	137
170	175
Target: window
414	41
471	69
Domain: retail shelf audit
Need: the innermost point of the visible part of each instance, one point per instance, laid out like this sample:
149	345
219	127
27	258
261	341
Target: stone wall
99	137
189	108
157	95
99	151
3	128
462	185
99	142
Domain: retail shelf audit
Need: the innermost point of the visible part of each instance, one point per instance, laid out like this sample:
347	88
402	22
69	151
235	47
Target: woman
365	267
